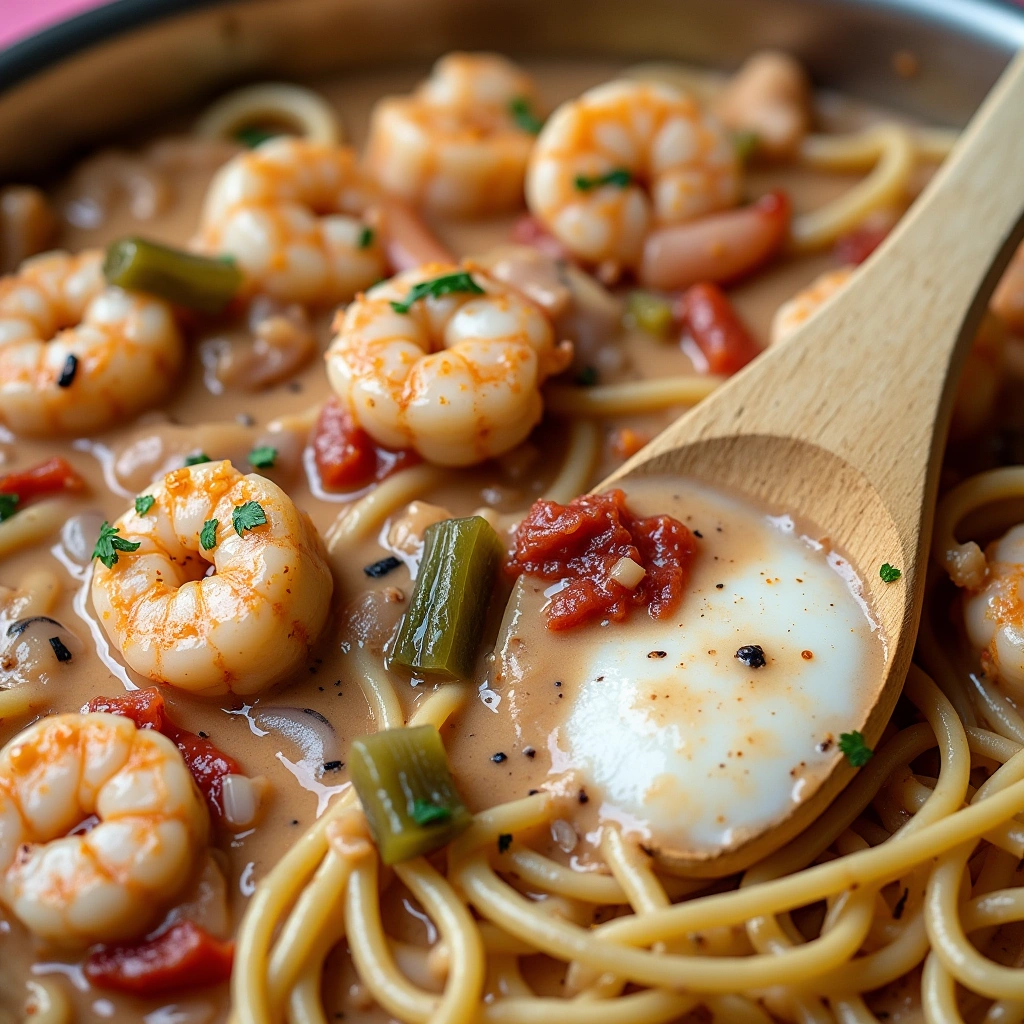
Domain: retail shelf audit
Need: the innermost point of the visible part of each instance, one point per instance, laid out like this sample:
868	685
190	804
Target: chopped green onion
746	144
8	505
248	517
440	633
366	237
143	503
197	459
889	573
108	544
208	534
620	178
204	283
263	457
252	136
651	313
522	113
857	752
436	287
407	791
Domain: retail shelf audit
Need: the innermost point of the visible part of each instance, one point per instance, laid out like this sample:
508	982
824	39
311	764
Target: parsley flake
504	841
460	281
252	136
620	178
208	534
889	573
366	237
522	113
426	812
263	457
857	752
143	503
197	459
8	505
248	517
109	543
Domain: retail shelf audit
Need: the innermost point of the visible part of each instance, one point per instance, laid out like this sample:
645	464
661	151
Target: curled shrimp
623	159
238	630
457	377
113	881
291	213
458	144
77	354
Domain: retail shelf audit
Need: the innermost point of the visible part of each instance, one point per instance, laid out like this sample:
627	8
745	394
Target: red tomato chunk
347	458
206	763
859	244
721	336
55	476
182	957
580	543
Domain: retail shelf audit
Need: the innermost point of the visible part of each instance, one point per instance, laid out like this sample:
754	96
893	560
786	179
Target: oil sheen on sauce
660	724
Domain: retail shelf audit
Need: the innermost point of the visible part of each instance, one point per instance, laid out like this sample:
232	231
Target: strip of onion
277	103
637	396
31	525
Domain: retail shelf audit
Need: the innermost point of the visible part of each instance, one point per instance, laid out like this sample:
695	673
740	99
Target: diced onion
306	728
241	803
627	573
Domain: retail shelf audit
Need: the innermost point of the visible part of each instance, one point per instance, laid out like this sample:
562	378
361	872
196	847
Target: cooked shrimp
458	144
793	313
77	354
457	377
291	212
238	630
623	159
113	881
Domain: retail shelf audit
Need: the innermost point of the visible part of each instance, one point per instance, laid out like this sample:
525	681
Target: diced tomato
185	956
347	458
207	764
579	544
859	244
529	231
55	476
709	319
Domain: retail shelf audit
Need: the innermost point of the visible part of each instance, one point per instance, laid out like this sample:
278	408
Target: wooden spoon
845	423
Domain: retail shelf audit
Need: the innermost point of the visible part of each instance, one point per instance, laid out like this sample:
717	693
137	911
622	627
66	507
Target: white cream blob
678	738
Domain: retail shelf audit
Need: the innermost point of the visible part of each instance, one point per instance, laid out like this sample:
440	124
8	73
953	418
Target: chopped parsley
504	841
143	503
248	517
109	543
208	534
460	281
857	752
197	459
252	136
522	113
366	237
60	652
426	812
587	377
263	457
8	505
889	573
620	178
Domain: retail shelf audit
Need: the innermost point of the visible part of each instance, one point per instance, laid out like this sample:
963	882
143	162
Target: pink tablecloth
22	17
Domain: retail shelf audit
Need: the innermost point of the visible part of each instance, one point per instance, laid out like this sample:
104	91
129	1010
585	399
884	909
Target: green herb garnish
263	457
196	460
504	841
587	377
436	287
108	545
889	573
252	136
248	517
745	144
8	505
620	178
366	237
208	534
426	812
857	752
143	503
522	113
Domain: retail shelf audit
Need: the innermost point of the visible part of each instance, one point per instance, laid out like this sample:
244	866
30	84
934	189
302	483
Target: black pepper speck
499	757
752	655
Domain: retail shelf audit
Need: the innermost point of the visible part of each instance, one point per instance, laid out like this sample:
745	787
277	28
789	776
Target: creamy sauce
227	423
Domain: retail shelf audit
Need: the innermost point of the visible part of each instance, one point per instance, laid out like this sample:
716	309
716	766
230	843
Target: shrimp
794	312
291	212
459	144
73	885
623	159
238	630
457	377
77	354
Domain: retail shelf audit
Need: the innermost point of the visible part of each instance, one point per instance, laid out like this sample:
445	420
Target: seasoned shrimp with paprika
77	354
444	360
74	885
459	144
239	628
292	213
625	159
